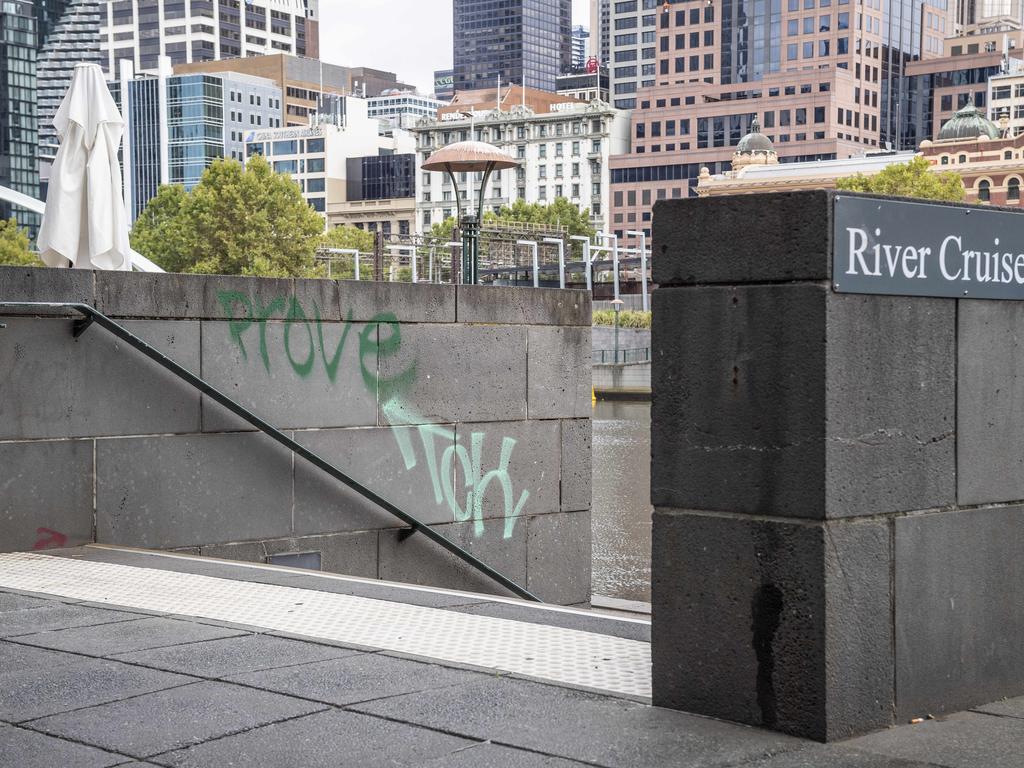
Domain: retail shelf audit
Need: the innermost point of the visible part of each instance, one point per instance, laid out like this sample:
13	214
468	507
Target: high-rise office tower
203	30
527	42
824	79
19	168
580	47
72	37
600	29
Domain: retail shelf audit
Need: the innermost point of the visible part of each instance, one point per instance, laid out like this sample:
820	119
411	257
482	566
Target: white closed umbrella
85	224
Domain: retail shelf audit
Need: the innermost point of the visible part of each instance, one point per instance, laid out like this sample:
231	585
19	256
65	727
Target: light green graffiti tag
379	340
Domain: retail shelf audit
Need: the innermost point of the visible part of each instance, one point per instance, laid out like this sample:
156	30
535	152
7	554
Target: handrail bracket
82	325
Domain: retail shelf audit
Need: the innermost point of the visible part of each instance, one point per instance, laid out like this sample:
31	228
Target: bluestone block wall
466	406
839	501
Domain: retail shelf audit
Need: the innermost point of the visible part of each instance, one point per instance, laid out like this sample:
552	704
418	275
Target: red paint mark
50	539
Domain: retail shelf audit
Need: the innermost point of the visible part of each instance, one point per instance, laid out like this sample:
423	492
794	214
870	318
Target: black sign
922	249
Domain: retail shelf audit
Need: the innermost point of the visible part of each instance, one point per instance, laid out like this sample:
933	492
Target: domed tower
754	149
968	124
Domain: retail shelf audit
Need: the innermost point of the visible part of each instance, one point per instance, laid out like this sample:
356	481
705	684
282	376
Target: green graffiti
380	339
263	313
295	314
332	366
389	388
228	299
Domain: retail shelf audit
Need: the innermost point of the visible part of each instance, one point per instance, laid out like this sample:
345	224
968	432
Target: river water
621	501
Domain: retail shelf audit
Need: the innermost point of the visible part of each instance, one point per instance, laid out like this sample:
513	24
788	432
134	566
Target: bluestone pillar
837	541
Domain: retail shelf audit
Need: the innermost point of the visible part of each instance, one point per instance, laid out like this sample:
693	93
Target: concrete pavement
89	684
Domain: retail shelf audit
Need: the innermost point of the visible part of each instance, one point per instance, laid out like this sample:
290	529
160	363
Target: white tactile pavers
566	656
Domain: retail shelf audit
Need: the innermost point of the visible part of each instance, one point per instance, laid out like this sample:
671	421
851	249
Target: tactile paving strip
565	656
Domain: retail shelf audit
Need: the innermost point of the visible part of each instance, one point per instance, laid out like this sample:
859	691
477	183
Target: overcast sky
410	37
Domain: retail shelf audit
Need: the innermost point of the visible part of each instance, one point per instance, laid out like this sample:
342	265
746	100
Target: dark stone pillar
813	568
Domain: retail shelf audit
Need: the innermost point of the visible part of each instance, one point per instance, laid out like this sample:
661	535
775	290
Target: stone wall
838	535
425	394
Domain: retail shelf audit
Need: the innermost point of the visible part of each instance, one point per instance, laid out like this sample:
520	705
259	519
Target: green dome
968	123
755	141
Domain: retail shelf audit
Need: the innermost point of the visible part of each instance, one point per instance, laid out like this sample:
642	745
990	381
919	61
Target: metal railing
622	356
91	315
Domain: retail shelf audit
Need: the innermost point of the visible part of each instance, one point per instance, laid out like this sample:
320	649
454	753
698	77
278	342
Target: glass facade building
527	42
19	169
381	177
71	37
195	126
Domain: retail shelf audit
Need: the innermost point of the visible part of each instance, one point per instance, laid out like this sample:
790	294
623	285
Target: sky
409	37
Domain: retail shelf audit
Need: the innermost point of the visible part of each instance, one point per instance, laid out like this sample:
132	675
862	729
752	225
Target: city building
380	194
304	82
585	85
564	148
989	157
938	87
527	42
402	109
444	84
19	169
70	36
177	125
141	31
600	30
1006	97
698	75
580	47
318	157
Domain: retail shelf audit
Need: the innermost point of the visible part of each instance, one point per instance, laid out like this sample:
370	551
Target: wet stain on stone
766	614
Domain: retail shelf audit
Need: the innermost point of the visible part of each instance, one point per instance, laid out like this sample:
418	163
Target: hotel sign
923	249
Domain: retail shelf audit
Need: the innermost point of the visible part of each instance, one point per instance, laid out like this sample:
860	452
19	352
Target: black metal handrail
91	315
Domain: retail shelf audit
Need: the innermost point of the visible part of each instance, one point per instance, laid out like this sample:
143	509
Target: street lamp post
616	305
470	157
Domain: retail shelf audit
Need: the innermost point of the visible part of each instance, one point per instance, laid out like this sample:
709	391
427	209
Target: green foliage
912	179
628	318
348	237
443	232
14	250
560	213
344	267
236	221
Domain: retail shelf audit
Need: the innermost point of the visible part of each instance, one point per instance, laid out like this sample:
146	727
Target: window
1013	189
984	190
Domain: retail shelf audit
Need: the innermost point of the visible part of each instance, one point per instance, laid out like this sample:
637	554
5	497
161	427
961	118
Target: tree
348	238
14	250
912	179
560	213
236	221
159	233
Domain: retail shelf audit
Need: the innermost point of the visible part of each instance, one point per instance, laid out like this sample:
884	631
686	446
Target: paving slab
581	726
234	655
821	756
484	755
57	616
12	602
22	748
331	739
173	719
1005	708
20	658
38	691
965	740
123	637
355	679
